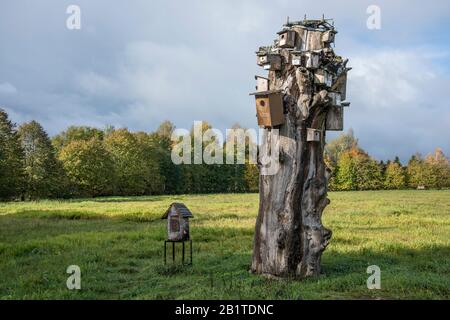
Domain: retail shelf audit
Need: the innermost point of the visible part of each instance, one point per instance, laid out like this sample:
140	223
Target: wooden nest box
335	114
323	77
328	36
177	216
313	135
262	83
286	39
269	61
269	108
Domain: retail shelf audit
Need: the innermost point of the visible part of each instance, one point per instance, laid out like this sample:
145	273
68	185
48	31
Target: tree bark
289	235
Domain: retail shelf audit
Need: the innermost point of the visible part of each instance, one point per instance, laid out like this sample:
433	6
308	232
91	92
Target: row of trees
353	169
85	161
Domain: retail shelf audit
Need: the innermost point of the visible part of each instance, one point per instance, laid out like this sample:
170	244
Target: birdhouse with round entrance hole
269	108
286	39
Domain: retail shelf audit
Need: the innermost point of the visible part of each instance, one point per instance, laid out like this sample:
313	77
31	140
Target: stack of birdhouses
302	48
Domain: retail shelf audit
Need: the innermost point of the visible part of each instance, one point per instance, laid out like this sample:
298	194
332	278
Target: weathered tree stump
289	235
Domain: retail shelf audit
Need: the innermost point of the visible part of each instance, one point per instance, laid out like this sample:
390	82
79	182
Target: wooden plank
335	119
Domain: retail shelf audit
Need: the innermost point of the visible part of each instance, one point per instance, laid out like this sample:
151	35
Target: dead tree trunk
289	235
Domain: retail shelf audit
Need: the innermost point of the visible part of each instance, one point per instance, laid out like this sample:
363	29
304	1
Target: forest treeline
89	162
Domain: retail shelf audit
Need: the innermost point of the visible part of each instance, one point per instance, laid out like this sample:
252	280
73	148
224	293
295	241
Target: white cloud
92	83
136	65
7	88
398	102
394	78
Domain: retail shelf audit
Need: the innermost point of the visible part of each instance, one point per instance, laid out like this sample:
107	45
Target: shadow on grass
221	257
122	199
56	215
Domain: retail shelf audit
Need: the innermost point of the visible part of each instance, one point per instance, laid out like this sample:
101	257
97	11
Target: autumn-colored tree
333	151
106	162
415	171
431	172
346	173
394	177
334	148
356	170
438	169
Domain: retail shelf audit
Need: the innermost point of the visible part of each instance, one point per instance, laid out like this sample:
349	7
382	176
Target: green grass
118	244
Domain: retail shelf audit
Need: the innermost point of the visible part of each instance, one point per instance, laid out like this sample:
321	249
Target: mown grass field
118	244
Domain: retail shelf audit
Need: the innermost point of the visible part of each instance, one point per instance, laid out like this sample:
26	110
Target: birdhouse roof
180	208
284	31
264	93
318	25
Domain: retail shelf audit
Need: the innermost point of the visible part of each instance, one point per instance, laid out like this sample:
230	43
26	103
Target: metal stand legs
183	250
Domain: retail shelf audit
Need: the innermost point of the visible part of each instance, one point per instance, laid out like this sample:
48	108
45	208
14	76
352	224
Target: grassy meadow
118	244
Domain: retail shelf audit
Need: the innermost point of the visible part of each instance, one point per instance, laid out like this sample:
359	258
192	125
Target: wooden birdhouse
328	36
312	60
323	77
335	98
270	61
261	55
177	216
335	118
286	39
273	62
269	108
296	58
261	59
311	40
340	85
313	135
262	84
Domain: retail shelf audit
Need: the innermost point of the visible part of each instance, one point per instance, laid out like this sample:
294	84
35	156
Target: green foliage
162	145
368	173
74	133
416	171
44	174
137	171
394	176
94	162
438	170
150	156
336	147
89	166
251	176
11	160
242	177
431	172
346	173
357	171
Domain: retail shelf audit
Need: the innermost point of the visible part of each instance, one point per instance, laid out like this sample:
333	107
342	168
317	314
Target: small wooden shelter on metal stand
177	216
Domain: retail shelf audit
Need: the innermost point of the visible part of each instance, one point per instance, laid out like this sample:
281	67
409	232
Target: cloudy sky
136	63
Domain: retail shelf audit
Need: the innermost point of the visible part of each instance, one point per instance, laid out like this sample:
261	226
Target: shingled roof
180	208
